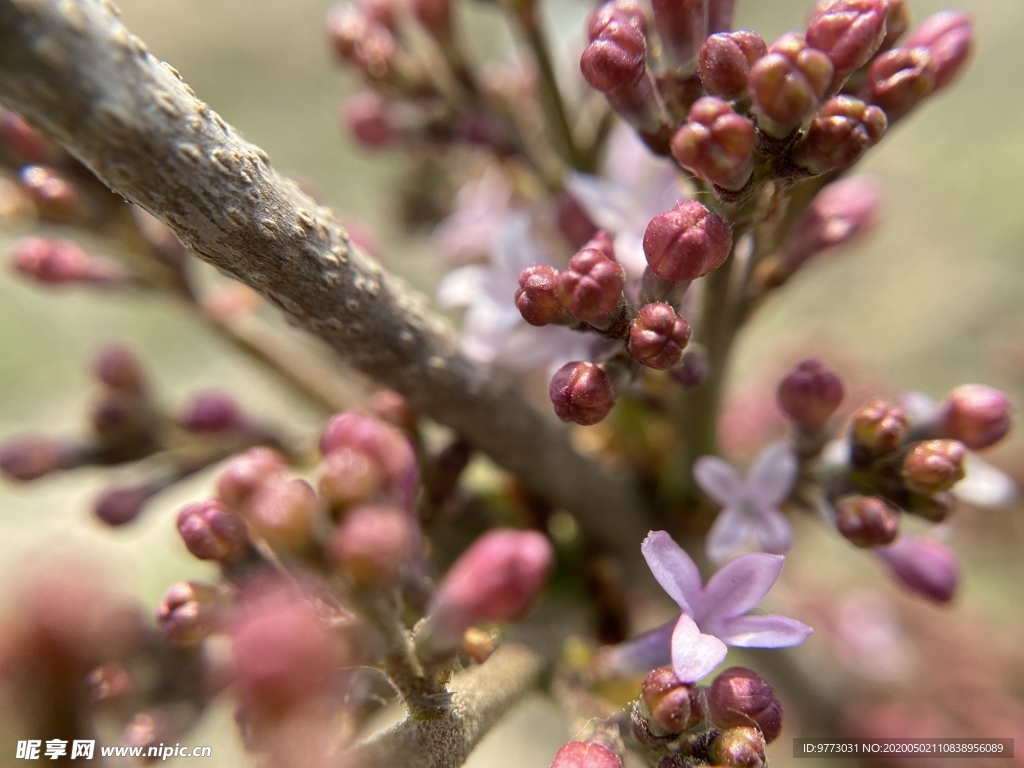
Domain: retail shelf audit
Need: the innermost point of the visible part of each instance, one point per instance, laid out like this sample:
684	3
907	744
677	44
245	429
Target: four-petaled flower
714	616
750	508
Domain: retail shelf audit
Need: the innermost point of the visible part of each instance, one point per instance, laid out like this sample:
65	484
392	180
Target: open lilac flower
493	331
749	507
715	615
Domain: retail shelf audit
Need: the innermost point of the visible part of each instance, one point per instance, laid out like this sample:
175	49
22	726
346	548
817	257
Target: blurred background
933	299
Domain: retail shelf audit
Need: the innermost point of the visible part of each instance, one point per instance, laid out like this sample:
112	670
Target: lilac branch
76	73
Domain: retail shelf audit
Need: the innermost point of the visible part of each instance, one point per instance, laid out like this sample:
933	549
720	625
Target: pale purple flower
493	331
635	188
713	616
983	485
750	507
482	208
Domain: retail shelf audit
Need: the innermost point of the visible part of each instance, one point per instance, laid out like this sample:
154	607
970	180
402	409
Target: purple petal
672	567
739	586
648	651
771	478
764	632
773	531
694	655
729	533
718	479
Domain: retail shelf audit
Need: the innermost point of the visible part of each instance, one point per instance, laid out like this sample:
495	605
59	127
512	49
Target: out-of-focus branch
77	74
445	737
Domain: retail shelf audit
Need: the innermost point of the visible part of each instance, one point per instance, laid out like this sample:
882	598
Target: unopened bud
949	38
899	80
189	612
725	62
672	706
867	521
879	427
349	477
29	458
741	747
368	118
119	369
616	58
62	262
632	12
394	409
692	369
371	544
682	26
380	441
850	32
120	506
537	295
591	287
741	697
687	242
363	42
810	395
211	531
933	466
924	566
585	754
716	144
657	336
496	580
839	135
284	512
53	195
212	413
788	84
976	415
246	472
581	393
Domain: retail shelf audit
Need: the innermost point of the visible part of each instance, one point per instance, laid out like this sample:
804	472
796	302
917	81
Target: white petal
461	286
772	476
673	569
609	205
984	485
694	655
919	406
765	632
718	479
515	249
730	533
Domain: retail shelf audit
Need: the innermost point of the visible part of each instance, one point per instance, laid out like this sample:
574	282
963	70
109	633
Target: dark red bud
740	747
976	415
211	531
616	58
29	458
839	135
867	521
119	369
850	32
537	295
120	506
716	144
687	242
672	707
212	413
725	61
630	12
581	393
740	697
368	118
933	466
899	80
788	84
810	395
657	336
189	612
591	287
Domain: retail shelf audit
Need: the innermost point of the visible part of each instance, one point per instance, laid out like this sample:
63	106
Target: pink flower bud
245	473
657	336
682	26
725	62
363	43
923	566
119	369
284	512
349	477
591	287
899	80
585	754
867	521
189	612
382	442
879	427
211	531
687	242
61	262
716	145
496	580
740	747
55	197
933	466
897	22
29	458
850	32
632	12
368	117
788	84
212	413
810	395
976	415
371	544
672	707
740	697
392	408
537	295
581	393
120	506
839	135
949	38
616	58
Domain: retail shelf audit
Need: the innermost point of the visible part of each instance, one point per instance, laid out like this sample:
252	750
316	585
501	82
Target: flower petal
607	204
718	479
764	632
772	476
694	655
773	531
739	586
648	651
729	533
461	286
674	570
984	485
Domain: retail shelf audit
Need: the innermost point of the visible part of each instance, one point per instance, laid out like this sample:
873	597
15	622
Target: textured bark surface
76	73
